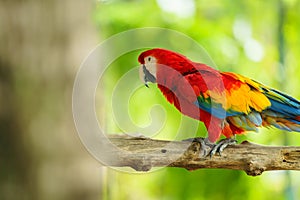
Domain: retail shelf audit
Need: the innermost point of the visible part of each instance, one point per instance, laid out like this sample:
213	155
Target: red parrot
227	103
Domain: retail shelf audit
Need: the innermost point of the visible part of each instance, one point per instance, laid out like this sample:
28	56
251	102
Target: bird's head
154	60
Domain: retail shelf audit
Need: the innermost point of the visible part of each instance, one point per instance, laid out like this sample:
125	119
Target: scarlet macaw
227	103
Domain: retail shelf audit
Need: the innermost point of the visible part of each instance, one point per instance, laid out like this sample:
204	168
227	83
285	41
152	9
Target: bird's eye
149	59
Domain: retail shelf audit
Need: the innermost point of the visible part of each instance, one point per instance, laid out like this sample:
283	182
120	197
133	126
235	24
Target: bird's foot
205	145
218	148
208	148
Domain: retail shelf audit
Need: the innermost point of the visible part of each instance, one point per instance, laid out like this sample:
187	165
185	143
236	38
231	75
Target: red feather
240	103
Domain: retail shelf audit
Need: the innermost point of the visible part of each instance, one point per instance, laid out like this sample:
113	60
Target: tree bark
142	154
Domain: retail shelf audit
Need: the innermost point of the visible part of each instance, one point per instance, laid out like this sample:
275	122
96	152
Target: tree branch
144	153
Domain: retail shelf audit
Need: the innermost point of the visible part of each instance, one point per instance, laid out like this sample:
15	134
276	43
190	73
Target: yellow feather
259	101
249	95
244	98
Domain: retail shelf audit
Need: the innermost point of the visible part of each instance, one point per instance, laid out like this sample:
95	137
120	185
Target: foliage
240	37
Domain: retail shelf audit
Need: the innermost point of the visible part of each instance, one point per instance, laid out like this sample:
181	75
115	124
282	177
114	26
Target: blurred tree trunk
42	46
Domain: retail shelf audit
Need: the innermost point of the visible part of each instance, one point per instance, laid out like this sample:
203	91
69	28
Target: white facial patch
147	71
150	64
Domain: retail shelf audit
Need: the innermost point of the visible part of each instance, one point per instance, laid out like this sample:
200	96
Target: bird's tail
284	112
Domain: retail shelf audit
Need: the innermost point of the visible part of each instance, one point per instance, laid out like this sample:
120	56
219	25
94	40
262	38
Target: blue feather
214	109
294	121
282	107
255	118
282	103
285	109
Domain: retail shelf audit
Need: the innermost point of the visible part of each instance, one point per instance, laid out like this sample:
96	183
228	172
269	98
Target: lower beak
148	77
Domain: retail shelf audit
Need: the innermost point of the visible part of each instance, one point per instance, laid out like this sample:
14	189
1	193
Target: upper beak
148	77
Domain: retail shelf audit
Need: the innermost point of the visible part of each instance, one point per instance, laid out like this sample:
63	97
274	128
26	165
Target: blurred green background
42	46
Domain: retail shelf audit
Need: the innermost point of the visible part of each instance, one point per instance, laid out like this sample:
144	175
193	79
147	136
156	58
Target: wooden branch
144	153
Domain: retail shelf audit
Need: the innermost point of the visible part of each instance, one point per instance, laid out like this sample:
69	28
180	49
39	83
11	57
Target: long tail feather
284	112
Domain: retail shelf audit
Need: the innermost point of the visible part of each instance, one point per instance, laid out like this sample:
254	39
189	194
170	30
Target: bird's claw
218	148
205	145
208	148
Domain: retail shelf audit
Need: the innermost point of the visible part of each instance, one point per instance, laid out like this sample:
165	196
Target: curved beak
148	77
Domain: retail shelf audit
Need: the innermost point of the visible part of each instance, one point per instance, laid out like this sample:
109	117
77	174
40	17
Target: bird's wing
224	94
280	103
242	101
